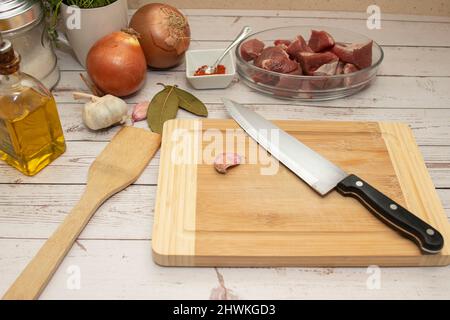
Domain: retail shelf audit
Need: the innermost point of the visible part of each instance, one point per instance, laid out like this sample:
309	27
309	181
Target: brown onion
116	63
165	34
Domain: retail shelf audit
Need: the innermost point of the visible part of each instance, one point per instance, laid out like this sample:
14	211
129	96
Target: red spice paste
202	70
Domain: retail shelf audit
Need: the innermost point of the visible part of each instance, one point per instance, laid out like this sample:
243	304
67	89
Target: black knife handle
428	238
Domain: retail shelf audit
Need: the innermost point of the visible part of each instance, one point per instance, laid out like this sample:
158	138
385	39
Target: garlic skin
103	112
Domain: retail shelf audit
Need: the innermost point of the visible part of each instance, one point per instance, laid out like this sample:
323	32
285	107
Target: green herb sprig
164	106
88	4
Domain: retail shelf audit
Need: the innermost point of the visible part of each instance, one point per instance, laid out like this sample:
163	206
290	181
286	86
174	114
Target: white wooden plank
392	32
124	269
28	211
339	283
399	61
430	126
31	212
415	61
444	195
72	167
307	14
388	92
127	268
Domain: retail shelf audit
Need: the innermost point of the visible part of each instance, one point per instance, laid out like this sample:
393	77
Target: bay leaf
191	103
163	107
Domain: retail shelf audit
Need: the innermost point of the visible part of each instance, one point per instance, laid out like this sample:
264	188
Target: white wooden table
113	254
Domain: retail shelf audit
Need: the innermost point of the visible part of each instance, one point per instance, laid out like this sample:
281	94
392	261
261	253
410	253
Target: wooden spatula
119	165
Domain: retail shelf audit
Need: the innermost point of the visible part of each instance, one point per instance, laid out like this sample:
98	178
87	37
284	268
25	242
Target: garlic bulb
102	112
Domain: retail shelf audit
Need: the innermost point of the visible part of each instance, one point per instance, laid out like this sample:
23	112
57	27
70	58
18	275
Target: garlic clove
224	161
140	111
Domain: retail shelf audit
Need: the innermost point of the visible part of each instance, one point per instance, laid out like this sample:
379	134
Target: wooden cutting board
246	218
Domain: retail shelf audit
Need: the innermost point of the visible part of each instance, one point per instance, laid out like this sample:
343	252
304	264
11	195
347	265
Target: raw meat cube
327	69
288	85
297	46
323	72
291	82
348	69
336	82
340	67
311	61
251	49
283	46
275	59
359	54
271	58
262	77
270	53
282	42
280	64
320	40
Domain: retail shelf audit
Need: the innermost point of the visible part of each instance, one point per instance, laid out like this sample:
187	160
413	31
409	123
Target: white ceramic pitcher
93	24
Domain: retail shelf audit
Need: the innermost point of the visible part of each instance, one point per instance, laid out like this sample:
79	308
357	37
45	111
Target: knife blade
323	176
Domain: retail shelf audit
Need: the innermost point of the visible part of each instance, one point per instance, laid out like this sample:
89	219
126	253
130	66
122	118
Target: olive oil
30	130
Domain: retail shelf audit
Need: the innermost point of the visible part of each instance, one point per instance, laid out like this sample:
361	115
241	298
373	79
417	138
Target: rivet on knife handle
427	237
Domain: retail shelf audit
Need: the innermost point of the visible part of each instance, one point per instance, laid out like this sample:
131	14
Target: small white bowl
197	58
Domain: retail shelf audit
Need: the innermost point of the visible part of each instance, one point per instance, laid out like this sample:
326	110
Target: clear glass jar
22	22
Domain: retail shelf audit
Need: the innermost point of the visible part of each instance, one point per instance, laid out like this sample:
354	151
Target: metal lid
16	14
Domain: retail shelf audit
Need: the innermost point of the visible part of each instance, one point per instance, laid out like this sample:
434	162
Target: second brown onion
165	34
116	63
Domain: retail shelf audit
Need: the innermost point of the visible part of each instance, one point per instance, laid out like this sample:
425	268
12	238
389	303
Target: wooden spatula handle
39	271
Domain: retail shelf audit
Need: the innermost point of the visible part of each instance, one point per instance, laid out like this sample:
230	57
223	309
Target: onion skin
116	64
164	34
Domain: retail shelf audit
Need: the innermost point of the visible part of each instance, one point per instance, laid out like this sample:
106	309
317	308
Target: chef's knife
323	176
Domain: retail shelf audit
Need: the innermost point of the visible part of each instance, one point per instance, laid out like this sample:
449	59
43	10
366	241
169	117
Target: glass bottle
30	130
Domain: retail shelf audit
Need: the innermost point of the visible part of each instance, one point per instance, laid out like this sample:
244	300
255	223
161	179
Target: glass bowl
307	88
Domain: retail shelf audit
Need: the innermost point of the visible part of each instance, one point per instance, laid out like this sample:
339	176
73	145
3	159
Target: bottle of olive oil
30	131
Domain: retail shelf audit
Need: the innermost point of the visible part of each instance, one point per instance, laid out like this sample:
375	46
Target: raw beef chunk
287	85
335	82
310	62
327	69
279	64
297	46
350	80
276	59
359	54
324	71
340	67
282	42
320	40
349	68
251	49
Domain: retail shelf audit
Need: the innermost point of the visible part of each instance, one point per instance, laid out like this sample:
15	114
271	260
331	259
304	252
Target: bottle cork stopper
9	59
